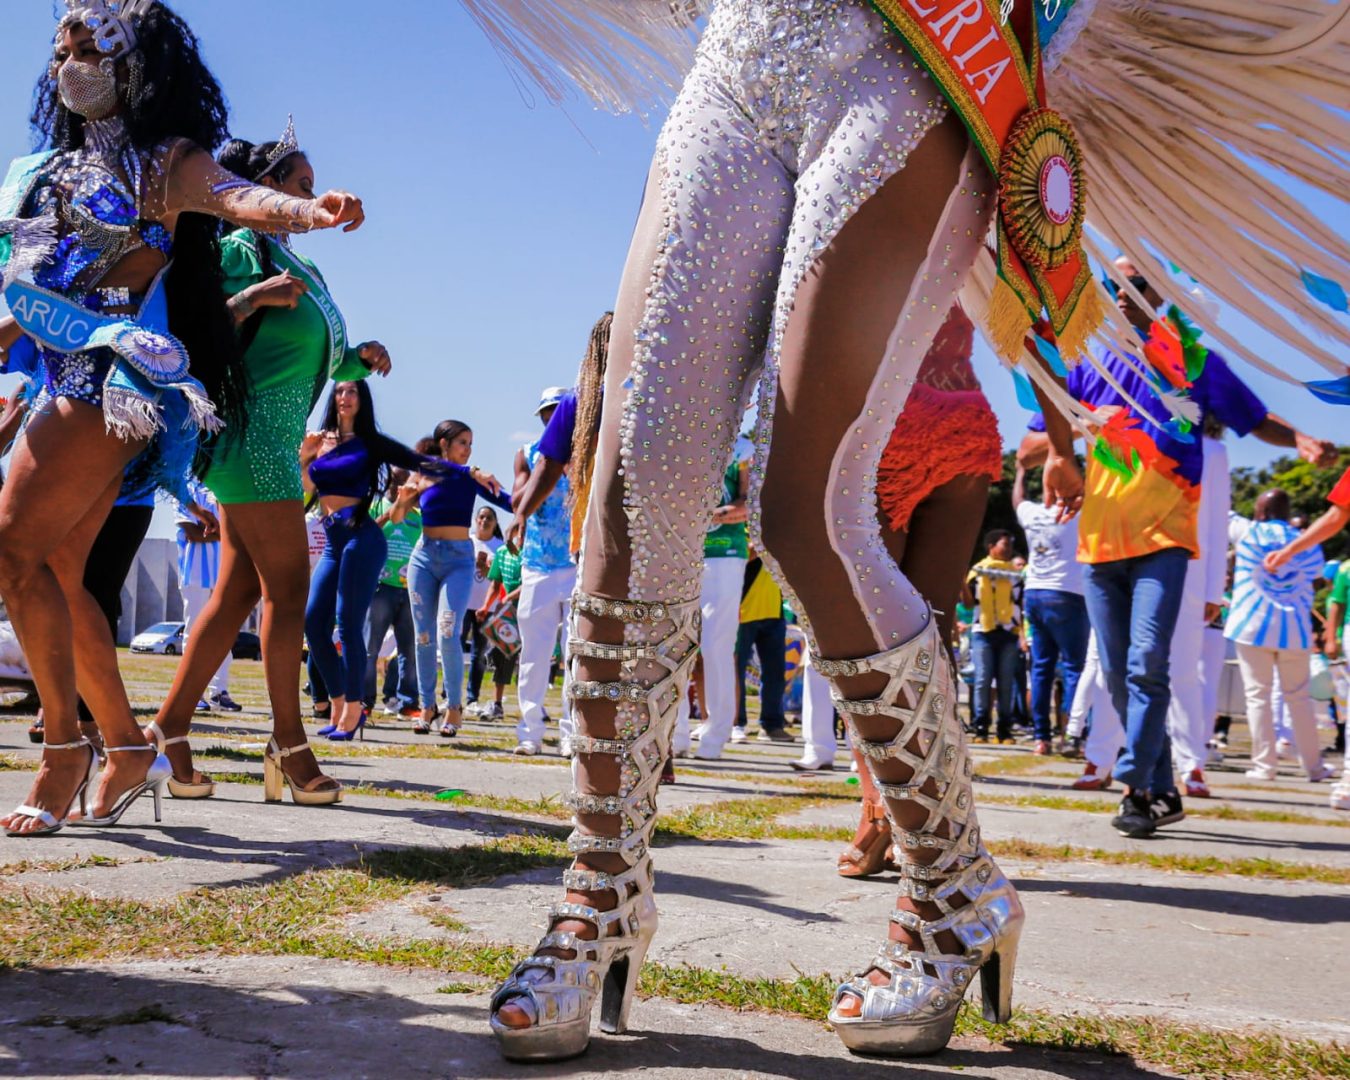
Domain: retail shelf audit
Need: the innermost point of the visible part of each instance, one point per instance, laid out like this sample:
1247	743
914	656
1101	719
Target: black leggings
110	561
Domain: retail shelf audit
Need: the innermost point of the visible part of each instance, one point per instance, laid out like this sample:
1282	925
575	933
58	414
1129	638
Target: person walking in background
1270	621
1140	530
504	594
198	571
994	589
725	553
390	608
762	633
487	538
548	575
441	569
1055	608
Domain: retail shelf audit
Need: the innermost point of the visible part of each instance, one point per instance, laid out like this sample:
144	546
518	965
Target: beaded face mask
89	90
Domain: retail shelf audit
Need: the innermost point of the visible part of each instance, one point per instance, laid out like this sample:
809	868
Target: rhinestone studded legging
811	213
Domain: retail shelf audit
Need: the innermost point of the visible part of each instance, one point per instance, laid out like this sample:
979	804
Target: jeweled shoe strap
632	611
891	662
597	650
67	745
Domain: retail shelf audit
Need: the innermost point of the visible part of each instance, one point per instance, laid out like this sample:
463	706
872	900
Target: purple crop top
449	502
348	470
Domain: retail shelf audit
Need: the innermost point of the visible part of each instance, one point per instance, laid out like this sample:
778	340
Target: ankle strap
633	611
883	662
128	749
274	748
66	745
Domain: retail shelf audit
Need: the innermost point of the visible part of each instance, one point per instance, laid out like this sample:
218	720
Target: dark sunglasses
1139	282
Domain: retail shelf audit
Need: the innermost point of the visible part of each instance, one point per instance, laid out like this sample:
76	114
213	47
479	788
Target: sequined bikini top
95	195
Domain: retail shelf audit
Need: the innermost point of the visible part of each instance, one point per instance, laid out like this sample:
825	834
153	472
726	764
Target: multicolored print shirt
1159	506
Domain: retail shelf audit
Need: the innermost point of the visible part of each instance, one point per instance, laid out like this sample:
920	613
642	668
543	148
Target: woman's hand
515	534
1063	485
334	208
486	479
208	521
311	445
409	492
376	357
283	291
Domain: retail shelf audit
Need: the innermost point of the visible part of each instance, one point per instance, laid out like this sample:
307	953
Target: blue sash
135	401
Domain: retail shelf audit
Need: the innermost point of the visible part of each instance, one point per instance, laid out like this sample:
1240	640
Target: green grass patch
61	866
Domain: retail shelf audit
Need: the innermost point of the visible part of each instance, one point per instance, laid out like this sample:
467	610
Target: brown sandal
875	855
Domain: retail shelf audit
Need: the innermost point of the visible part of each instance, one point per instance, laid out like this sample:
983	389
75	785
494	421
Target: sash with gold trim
989	69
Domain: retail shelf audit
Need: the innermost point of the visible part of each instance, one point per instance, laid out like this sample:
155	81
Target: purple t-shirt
556	442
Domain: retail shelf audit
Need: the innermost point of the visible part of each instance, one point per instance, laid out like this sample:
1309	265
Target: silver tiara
112	21
283	149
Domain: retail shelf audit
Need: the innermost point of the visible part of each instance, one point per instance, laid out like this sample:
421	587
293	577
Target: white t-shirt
479	592
1052	549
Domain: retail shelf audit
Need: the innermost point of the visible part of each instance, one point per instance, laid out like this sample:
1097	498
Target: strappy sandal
156	778
50	822
875	855
425	721
275	779
195	788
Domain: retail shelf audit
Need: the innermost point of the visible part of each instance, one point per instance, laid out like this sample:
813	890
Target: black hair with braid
178	98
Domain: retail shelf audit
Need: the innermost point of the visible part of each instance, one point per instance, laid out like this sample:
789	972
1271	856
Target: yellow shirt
998	595
763	600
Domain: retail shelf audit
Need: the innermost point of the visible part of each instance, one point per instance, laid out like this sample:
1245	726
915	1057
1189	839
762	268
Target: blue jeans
768	639
440	567
1133	605
340	589
1059	632
392	608
995	656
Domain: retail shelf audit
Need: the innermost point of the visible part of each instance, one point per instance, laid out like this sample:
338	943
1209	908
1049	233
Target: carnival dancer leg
63	479
875	294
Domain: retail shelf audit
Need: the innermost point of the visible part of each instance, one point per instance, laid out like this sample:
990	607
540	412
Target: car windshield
163	628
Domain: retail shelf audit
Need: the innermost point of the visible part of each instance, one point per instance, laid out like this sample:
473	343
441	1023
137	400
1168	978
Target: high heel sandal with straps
874	856
181	789
559	994
943	863
50	822
276	780
156	777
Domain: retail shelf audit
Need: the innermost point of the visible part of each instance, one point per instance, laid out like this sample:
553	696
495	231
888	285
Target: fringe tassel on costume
130	416
32	242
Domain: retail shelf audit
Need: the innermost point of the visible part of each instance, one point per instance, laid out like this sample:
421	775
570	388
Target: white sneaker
1261	774
708	753
526	749
1340	796
1284	748
811	765
699	732
391	707
1326	773
738	734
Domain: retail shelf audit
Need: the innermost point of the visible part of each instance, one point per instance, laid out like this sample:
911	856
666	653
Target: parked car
247	646
165	638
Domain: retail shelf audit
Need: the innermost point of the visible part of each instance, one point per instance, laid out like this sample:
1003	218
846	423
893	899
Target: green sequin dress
288	361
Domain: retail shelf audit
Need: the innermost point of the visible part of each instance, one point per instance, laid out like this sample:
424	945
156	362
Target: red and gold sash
990	72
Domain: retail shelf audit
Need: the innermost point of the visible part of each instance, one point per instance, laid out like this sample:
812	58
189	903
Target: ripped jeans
440	568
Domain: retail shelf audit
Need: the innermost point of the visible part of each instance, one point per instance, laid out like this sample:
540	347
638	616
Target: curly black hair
180	98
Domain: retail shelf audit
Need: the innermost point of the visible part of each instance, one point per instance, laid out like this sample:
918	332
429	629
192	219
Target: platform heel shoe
275	780
942	863
560	994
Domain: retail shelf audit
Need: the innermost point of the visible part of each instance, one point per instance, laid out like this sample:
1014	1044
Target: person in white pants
725	552
817	720
548	576
1271	623
198	569
1106	734
1189	723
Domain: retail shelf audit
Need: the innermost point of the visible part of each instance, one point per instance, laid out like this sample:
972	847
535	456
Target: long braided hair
586	435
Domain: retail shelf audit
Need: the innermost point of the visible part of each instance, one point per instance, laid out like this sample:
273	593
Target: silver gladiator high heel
915	1011
560	994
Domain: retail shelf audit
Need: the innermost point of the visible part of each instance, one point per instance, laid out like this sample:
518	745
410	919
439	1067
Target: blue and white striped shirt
1272	610
198	564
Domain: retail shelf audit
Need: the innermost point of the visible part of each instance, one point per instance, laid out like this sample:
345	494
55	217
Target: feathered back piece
1185	110
623	54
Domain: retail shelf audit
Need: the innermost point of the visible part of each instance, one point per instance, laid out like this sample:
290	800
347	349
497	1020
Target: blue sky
498	223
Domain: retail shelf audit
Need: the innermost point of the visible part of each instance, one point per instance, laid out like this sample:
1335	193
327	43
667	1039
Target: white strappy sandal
51	823
181	789
155	780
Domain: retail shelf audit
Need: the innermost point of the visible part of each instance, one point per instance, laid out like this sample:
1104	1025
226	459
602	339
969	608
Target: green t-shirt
505	569
729	541
1340	588
401	538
